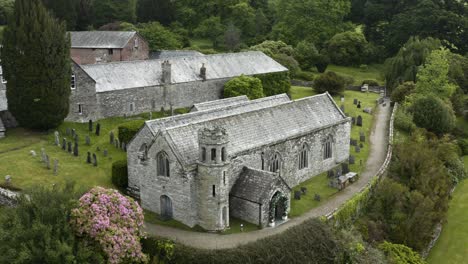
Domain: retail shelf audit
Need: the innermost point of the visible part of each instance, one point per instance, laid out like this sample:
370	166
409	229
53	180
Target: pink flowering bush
112	220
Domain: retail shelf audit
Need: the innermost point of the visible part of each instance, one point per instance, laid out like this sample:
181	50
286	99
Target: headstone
353	120
351	159
90	125
75	149
55	166
353	142
98	129
57	138
359	104
77	138
111	137
362	138
69	147
33	153
357	149
88	140
73	133
355	101
342	99
317	197
304	190
359	121
47	162
106	152
98	149
117	144
7	179
345	167
68	131
342	108
297	195
88	158
94	160
64	144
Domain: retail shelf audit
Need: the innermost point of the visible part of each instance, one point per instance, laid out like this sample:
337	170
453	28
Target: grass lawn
319	184
373	72
452	246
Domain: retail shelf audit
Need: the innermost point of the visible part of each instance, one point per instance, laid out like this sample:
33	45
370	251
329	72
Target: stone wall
245	210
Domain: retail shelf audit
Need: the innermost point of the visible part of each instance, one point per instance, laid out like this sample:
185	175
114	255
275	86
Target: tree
211	28
106	11
37	229
162	11
405	65
232	37
306	54
65	10
348	48
329	82
159	37
244	85
6	10
458	72
400	254
402	91
433	114
243	17
281	52
36	63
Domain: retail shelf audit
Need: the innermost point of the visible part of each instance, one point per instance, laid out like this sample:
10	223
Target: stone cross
57	138
111	137
359	121
94	160
88	159
55	166
88	140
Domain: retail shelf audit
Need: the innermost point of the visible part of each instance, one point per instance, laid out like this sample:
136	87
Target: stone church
133	87
235	158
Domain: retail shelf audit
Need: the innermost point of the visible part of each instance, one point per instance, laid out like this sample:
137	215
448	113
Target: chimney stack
166	72
203	72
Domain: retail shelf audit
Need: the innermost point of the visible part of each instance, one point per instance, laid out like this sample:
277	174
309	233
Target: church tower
212	182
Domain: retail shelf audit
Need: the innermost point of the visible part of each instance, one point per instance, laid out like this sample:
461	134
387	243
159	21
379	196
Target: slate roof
256	185
134	74
169	54
219	103
252	127
100	39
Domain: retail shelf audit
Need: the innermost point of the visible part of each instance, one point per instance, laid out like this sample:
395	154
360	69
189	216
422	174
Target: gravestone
98	129
111	137
359	104
150	116
351	159
76	138
297	195
88	140
69	147
353	142
304	190
88	158
359	121
64	144
73	133
43	154
98	149
357	149
345	167
7	179
353	120
355	101
362	137
105	153
117	144
68	131
342	108
172	110
75	149
317	197
33	153
361	145
55	166
94	160
338	172
90	125
342	99
57	138
47	162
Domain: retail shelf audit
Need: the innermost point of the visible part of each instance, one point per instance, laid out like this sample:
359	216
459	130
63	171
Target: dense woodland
422	43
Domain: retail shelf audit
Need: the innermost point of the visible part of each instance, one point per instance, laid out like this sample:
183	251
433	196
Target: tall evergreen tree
64	10
36	63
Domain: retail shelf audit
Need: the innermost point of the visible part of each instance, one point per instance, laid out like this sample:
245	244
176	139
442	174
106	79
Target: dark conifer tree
36	63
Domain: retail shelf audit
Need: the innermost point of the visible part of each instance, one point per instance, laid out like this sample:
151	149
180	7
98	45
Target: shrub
402	91
275	83
329	82
404	121
288	62
159	37
306	76
120	174
348	80
400	254
463	144
322	63
433	114
306	54
114	221
244	85
129	129
347	48
370	82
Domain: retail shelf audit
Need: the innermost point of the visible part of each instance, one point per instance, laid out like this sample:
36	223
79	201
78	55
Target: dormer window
72	82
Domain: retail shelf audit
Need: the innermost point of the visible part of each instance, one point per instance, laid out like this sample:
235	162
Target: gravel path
377	155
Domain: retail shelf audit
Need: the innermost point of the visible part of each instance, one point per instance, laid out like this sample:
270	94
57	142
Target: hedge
120	174
129	129
275	83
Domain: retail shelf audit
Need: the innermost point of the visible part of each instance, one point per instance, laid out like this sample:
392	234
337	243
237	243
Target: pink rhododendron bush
112	220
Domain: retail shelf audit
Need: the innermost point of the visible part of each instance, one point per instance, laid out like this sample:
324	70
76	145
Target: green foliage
38	231
288	62
159	37
400	254
211	28
161	251
65	10
106	11
404	121
348	48
162	11
6	10
370	82
432	78
129	129
406	63
329	82
458	72
120	174
306	54
36	63
275	83
272	48
463	144
433	114
244	85
306	76
402	91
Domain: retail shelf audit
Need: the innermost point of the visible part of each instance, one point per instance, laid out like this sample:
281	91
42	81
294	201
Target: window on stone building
136	43
132	107
327	148
80	109
223	154
110	51
153	104
214	191
275	163
213	154
143	155
163	164
224	177
303	157
203	154
263	161
73	82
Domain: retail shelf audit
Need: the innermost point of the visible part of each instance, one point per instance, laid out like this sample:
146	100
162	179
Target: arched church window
203	154
327	148
163	164
223	154
213	154
275	163
143	153
303	157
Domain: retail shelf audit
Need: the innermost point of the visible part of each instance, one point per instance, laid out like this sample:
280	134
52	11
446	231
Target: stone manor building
134	87
235	158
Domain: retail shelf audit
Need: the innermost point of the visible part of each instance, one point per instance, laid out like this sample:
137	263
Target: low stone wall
302	83
372	89
7	197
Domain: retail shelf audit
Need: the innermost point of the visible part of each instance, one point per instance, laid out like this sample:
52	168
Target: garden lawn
452	246
319	184
373	72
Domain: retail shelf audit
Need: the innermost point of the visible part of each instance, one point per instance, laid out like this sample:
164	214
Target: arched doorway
278	207
166	207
